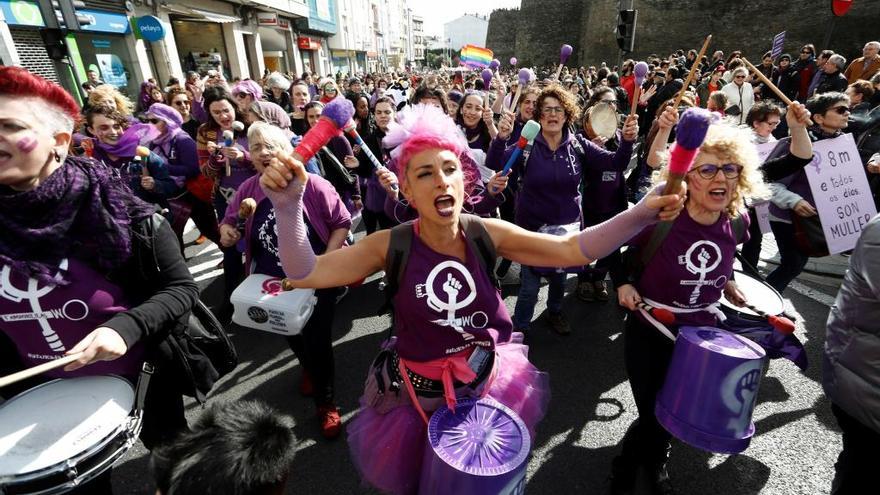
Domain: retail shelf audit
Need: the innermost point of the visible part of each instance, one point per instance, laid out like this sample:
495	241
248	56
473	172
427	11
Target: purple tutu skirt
387	449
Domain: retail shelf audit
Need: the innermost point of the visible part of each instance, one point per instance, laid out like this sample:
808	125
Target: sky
437	12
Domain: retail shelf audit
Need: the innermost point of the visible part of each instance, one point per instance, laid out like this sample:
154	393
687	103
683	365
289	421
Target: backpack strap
481	243
395	260
654	243
738	225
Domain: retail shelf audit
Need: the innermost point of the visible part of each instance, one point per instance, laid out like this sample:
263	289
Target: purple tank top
46	321
444	306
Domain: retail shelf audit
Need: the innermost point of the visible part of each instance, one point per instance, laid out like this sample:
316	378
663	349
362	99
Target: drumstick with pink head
525	76
564	53
639	71
689	136
487	81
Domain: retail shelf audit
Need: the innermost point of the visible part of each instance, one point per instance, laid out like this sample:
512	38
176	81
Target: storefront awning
211	16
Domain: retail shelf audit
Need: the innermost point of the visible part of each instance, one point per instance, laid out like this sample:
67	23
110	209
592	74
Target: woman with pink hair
435	347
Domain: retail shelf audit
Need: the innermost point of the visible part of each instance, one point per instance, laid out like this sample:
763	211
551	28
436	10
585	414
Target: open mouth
5	156
718	193
445	205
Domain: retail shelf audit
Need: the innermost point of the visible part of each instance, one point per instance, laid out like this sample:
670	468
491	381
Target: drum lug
71	471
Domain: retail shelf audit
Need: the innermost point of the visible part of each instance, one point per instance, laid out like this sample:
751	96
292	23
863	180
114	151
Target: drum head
758	294
603	120
58	420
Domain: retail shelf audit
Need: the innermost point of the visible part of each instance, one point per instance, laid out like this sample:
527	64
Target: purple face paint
26	145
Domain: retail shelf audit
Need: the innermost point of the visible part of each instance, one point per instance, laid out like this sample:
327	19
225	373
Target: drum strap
143	384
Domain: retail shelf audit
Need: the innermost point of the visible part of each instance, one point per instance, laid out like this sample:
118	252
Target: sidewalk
832	266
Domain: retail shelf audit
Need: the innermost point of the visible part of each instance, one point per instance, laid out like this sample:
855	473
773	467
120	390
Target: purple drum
709	394
480	449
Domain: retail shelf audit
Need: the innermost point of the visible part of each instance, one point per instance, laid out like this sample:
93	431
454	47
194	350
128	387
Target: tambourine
601	121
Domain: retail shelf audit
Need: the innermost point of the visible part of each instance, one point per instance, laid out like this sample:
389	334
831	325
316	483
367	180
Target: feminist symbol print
708	257
455	280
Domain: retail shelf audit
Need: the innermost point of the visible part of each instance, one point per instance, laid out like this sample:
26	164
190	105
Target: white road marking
819	297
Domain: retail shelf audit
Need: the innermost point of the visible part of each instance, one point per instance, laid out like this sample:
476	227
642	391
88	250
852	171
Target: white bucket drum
260	303
63	433
759	294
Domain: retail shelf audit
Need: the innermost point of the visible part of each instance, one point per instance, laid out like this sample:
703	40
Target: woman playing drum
446	311
687	274
74	237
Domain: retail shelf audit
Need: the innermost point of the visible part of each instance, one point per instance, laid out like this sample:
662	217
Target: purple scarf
172	120
81	207
136	135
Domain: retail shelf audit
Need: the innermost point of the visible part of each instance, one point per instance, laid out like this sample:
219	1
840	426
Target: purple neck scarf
81	207
136	135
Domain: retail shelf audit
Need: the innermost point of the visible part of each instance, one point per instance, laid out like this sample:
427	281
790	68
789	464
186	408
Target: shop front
102	47
309	49
274	38
201	39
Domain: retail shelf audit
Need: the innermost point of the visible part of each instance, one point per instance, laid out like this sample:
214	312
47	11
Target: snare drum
759	294
63	433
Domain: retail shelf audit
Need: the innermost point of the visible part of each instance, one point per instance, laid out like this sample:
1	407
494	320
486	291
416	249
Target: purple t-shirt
445	306
264	241
691	267
46	321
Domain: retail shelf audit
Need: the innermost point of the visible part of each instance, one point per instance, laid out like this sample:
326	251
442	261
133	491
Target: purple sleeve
231	217
187	158
336	214
197	110
497	155
297	257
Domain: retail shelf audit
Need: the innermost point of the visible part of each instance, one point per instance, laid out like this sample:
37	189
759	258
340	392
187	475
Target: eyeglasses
154	121
552	110
841	110
708	171
182	103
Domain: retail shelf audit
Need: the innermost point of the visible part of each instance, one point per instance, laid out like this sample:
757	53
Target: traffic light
67	17
626	29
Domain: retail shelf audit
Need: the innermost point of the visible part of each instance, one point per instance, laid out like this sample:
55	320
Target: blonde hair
733	145
105	92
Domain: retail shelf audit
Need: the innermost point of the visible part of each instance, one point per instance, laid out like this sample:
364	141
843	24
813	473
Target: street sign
151	28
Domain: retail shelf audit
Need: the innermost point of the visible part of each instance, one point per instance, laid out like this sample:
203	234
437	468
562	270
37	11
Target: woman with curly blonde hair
549	199
691	267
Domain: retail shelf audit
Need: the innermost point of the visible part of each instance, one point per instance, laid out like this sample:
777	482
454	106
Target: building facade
468	29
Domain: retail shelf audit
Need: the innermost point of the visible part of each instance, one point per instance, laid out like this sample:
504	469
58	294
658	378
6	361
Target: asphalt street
792	452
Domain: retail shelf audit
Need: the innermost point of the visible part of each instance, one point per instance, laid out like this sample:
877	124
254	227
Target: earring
57	156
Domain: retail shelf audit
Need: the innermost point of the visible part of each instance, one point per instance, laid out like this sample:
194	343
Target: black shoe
623	476
660	483
559	323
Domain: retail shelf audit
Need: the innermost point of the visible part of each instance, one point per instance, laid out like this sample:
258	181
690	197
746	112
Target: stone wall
502	32
666	25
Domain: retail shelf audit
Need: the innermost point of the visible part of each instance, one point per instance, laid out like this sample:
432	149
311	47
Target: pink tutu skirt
387	449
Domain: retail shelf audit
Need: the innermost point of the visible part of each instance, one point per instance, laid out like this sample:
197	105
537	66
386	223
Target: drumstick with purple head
246	209
525	76
564	53
639	71
487	81
513	61
689	136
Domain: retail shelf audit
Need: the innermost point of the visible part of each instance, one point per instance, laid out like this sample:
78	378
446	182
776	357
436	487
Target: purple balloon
494	64
640	71
513	61
487	77
564	53
524	76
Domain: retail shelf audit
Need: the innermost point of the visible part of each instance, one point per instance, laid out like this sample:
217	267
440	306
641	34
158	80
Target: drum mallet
487	82
660	314
525	76
780	323
564	53
639	71
766	81
689	136
39	369
690	77
246	209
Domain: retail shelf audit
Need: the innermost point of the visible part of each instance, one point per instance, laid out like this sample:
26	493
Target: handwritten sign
762	210
841	191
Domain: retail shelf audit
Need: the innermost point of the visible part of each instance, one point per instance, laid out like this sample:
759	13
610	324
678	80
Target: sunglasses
709	171
740	77
154	121
841	110
182	103
329	89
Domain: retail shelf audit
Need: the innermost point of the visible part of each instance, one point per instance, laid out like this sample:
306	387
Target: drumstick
39	369
766	81
779	323
690	77
639	72
662	315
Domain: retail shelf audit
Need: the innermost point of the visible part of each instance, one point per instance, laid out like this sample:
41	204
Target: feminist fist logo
452	286
272	286
738	391
708	257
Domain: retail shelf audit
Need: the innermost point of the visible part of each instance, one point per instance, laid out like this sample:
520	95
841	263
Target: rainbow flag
475	56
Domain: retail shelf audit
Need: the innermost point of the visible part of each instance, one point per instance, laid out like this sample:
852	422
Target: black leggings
647	354
314	346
